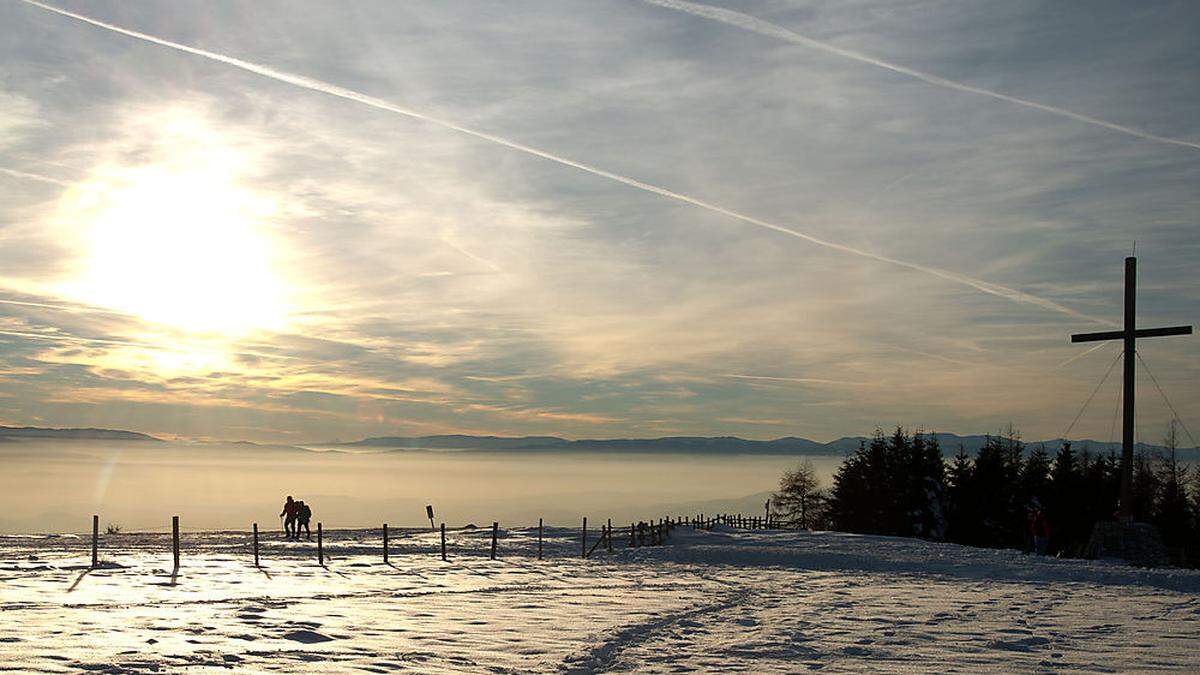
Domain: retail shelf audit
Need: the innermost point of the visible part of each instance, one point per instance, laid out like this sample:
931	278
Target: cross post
1129	335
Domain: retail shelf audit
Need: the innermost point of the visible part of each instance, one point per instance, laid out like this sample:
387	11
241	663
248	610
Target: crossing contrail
801	380
1082	354
32	176
756	25
351	95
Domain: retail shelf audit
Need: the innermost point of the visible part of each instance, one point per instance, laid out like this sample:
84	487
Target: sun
181	244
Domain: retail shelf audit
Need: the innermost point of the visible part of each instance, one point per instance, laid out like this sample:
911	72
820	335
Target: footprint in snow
1020	645
307	637
855	651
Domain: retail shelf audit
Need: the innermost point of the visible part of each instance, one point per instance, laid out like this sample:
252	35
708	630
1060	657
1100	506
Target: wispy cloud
358	97
756	25
442	282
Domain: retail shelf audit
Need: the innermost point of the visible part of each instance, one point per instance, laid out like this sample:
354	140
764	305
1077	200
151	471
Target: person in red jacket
1039	530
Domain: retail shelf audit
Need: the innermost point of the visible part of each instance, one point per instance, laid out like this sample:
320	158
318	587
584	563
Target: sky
299	222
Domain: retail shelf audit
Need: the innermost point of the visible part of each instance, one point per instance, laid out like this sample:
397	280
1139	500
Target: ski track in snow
602	657
762	602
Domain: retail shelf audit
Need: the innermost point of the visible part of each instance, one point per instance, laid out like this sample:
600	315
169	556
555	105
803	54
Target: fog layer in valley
55	487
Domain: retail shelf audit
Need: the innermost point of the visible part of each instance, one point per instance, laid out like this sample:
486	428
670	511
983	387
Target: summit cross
1129	335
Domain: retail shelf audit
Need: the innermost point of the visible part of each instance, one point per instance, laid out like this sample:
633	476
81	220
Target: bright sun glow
179	244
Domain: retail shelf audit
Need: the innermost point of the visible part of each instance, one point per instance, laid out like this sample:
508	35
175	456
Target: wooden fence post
385	544
632	541
539	538
95	541
583	546
256	545
608	536
495	528
443	542
175	539
320	546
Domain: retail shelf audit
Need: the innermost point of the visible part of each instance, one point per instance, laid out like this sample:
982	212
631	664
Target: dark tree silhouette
901	485
799	501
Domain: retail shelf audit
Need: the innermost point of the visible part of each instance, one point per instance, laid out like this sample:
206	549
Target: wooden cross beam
1139	333
1129	335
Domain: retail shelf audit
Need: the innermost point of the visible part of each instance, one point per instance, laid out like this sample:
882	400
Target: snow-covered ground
721	600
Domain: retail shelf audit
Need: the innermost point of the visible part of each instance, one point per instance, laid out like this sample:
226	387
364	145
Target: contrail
756	25
929	355
452	243
32	176
801	380
351	95
1082	354
76	339
63	308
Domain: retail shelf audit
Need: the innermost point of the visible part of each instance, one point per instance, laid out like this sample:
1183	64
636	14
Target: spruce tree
1065	504
997	472
850	499
1035	477
961	513
1145	488
1173	509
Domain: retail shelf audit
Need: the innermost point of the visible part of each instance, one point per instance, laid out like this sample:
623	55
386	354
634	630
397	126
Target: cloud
756	25
438	284
305	82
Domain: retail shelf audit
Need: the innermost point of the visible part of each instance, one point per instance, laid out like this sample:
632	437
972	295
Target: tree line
901	485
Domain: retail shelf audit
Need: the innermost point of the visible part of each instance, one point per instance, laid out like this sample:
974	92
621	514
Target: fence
735	520
608	538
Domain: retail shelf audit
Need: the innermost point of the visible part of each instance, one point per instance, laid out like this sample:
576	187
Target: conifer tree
1173	509
961	513
1065	503
997	472
1035	476
850	503
1145	488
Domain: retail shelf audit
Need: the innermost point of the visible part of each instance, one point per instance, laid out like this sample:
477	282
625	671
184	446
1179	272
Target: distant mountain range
723	445
692	445
40	433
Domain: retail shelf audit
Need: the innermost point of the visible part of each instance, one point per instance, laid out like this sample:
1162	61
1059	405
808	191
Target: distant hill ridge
715	445
788	445
74	434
